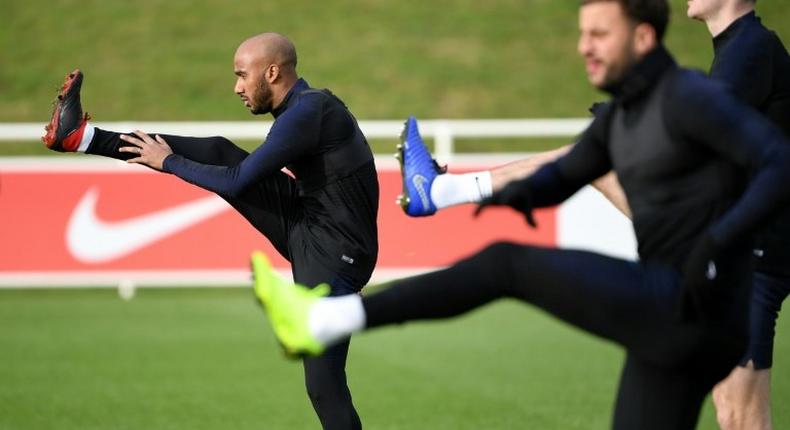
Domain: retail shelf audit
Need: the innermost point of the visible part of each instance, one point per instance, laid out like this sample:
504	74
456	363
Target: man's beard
261	103
617	72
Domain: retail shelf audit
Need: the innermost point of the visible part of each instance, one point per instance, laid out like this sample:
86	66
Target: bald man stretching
323	220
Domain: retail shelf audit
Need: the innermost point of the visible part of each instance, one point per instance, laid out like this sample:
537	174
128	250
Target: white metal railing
443	131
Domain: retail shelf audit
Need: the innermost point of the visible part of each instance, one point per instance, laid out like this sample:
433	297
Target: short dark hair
653	12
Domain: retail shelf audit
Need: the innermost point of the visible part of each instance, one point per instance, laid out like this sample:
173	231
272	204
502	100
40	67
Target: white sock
332	319
87	137
455	189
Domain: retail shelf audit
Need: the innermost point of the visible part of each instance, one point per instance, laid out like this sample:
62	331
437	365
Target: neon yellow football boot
286	305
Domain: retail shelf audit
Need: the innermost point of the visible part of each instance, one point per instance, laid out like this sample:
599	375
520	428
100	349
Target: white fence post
443	142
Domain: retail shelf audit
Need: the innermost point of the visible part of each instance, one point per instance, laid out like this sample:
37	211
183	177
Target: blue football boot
418	170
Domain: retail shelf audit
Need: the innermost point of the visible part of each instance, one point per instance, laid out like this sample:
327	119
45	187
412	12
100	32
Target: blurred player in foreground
754	65
323	221
682	147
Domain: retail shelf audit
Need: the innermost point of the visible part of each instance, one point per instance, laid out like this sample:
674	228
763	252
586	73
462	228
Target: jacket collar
643	76
290	98
722	38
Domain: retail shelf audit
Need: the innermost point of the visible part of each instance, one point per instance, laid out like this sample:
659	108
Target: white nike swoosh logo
91	240
419	183
711	273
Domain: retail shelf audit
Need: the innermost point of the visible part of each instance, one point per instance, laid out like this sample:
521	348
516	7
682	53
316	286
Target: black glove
699	277
517	195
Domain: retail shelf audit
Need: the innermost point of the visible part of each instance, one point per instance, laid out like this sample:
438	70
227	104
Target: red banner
76	217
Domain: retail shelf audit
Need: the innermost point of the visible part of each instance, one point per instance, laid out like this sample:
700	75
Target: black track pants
671	364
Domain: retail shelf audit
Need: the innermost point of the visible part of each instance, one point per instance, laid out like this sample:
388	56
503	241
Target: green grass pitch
205	359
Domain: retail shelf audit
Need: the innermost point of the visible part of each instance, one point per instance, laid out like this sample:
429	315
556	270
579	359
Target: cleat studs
399	147
397	156
402	200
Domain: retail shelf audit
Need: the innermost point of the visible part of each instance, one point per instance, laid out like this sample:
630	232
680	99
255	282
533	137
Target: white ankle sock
87	137
455	189
332	319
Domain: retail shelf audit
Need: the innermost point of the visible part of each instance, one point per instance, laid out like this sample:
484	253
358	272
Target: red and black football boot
65	128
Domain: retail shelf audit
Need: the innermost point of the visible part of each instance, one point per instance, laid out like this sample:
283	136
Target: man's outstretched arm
295	133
